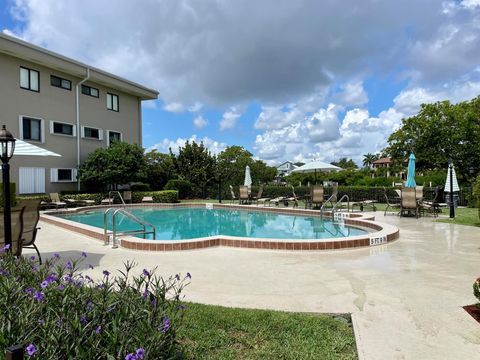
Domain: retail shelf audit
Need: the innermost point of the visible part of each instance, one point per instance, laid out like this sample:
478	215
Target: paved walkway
405	297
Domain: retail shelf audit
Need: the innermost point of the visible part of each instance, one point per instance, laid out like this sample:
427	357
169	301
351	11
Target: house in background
383	163
284	169
66	107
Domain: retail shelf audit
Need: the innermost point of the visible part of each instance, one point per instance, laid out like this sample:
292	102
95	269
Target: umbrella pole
452	207
315	176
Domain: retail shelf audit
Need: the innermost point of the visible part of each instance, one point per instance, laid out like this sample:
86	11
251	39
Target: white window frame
111	104
52	132
115	131
37	175
54	175
42	128
100	133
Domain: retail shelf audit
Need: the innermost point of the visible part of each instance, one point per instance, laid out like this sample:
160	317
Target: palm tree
368	159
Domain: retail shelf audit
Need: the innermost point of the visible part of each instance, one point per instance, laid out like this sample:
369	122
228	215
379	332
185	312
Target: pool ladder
334	207
115	233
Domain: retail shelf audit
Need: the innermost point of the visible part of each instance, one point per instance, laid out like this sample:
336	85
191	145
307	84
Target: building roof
384	160
21	49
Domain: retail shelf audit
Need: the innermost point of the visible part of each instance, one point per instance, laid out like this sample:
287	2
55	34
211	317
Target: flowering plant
58	312
476	290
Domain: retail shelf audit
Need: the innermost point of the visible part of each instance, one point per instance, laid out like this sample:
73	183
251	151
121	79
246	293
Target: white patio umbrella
25	148
248	177
315	166
455	187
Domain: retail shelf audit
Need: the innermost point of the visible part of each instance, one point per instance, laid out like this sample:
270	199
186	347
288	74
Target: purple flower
4	272
44	284
32	258
189	276
56	256
41	322
67	278
29	291
31	349
90	266
89	305
38	295
106	273
130	357
140	353
61	287
89	279
69	265
182	307
165	325
59	322
5	248
83	319
98	329
177	277
145	294
146	273
84	254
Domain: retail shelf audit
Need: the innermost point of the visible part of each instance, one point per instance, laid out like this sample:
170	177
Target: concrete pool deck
405	297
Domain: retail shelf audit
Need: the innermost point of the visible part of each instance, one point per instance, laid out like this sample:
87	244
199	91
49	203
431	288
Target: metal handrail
114	233
340	202
329	200
120	195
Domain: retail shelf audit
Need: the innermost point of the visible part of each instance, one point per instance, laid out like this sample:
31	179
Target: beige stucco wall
57	104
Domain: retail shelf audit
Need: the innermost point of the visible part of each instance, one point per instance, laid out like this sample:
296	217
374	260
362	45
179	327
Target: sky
287	80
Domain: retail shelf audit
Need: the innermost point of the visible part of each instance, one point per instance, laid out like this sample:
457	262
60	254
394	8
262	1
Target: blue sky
286	80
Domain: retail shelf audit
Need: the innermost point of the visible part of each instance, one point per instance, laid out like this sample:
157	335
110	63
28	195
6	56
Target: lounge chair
56	201
147	199
232	194
258	199
31	216
365	203
244	197
107	201
391	203
316	196
17	230
409	203
433	206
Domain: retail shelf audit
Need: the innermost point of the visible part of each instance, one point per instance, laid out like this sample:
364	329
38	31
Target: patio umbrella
411	172
248	177
25	148
315	166
454	181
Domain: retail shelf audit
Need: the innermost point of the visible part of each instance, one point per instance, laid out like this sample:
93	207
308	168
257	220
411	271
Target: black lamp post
7	146
450	173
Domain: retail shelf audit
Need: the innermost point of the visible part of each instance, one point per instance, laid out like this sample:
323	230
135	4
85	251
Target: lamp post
450	173
7	146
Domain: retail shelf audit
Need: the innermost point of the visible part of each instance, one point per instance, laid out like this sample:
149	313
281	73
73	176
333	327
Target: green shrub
476	193
56	312
164	196
184	188
13	196
97	197
140	187
476	290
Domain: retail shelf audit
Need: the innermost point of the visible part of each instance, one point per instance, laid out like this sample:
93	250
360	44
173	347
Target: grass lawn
215	332
463	216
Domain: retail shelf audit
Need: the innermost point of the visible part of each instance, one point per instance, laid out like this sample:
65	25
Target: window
92	133
63	175
61	83
112	102
90	91
29	79
32	180
60	128
31	129
113	136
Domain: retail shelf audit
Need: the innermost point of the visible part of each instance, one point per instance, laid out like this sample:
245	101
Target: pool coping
384	232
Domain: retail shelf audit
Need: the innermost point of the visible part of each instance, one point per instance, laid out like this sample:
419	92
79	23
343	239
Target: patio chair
419	193
409	203
244	197
56	201
17	229
316	196
258	199
31	215
127	196
365	203
232	194
391	203
431	207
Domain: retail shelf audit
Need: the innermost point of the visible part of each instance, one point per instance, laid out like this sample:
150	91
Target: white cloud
352	94
470	4
200	122
213	146
230	118
174	107
197	106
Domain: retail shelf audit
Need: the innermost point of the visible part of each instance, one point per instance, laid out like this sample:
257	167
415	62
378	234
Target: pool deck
405	297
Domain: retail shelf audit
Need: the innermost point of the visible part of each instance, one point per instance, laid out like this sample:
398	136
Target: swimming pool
191	223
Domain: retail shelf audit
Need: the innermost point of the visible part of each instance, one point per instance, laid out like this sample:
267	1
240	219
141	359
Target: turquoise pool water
179	224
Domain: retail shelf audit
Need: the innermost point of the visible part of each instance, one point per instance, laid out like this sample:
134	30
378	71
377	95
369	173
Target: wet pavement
405	297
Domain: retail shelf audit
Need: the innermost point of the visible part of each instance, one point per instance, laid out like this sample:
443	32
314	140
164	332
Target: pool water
179	224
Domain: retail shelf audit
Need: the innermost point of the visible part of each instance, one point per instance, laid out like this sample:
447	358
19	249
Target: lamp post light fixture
450	174
7	146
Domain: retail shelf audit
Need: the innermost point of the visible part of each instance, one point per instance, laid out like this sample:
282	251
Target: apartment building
66	107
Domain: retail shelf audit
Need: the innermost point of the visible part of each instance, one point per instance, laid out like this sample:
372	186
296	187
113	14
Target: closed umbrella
455	186
411	172
248	178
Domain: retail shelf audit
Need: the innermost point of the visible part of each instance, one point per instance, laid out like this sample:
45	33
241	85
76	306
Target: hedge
13	196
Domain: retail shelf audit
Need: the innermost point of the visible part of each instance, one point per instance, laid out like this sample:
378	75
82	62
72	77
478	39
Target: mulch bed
474	311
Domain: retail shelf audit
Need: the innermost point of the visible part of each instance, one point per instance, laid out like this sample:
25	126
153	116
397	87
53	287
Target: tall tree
368	159
345	163
196	164
438	132
159	169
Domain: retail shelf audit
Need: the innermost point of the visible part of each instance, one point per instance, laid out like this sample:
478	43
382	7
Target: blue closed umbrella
411	172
